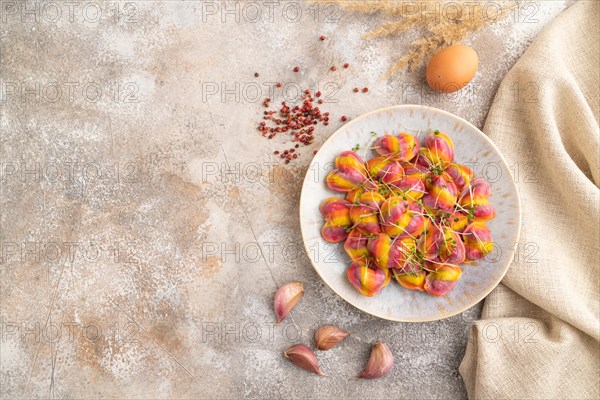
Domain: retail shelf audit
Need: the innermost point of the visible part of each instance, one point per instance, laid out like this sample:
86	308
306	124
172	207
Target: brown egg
452	68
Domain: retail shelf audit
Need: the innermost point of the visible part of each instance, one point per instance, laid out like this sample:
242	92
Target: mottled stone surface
135	263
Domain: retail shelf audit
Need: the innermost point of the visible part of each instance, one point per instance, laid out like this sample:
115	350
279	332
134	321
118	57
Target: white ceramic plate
471	147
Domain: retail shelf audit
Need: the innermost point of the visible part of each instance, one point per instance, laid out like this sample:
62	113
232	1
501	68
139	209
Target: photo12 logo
69	92
269	11
54	12
58	252
67	331
235	92
72	172
250	331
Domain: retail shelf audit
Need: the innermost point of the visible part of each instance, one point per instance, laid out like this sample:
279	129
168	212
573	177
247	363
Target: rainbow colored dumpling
356	246
391	213
414	281
442	279
411	185
384	169
337	219
461	175
452	249
439	148
368	281
441	195
477	238
349	172
365	214
475	199
398	148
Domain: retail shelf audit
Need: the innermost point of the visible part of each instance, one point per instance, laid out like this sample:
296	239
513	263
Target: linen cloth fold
539	333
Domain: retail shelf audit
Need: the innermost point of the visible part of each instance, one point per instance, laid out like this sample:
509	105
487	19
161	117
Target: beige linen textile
540	329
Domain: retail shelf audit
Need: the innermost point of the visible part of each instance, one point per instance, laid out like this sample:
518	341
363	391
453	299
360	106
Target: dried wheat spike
442	30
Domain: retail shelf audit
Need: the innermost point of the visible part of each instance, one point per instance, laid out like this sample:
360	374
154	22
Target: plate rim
478	298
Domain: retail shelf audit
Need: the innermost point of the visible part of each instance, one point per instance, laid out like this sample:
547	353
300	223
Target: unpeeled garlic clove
327	336
380	363
303	357
286	298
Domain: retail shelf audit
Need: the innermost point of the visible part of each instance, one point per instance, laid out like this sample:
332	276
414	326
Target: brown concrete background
130	265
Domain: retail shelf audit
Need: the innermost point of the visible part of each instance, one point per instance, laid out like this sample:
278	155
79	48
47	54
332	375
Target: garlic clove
286	299
380	362
303	357
327	336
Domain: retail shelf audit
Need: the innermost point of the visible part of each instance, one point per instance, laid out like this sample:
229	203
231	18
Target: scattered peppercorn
279	84
365	90
322	38
334	68
296	69
256	75
318	94
344	118
299	120
346	65
355	90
